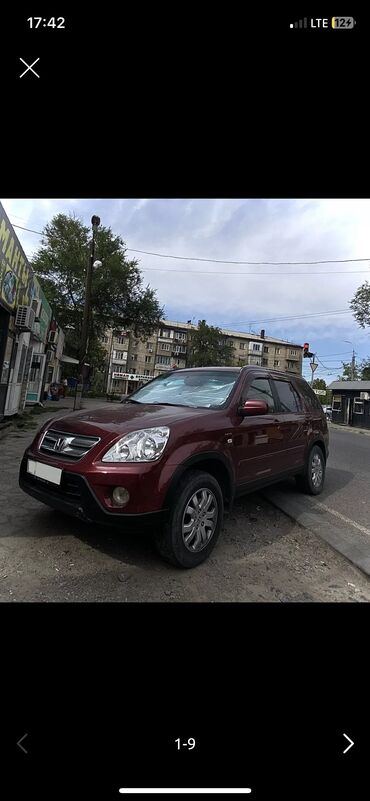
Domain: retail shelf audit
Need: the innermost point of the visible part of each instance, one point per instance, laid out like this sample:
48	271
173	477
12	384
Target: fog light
121	496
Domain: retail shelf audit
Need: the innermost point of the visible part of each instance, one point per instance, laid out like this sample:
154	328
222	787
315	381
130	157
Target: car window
203	388
260	389
289	400
311	400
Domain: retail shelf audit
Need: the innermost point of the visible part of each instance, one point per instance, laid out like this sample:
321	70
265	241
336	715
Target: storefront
25	316
351	403
125	383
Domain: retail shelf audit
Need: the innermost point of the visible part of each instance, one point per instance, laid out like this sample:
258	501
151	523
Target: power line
246	275
27	229
293	317
228	261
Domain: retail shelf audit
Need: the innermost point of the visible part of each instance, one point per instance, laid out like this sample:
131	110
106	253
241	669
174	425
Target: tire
195	487
315	464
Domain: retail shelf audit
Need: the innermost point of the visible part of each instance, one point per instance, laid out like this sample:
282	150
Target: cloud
238	229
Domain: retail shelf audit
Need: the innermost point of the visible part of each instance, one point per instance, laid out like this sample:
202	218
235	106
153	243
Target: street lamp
95	222
353	366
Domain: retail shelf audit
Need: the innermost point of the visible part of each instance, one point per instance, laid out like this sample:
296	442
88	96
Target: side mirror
252	407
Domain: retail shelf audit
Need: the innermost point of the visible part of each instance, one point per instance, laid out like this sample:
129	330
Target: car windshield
204	388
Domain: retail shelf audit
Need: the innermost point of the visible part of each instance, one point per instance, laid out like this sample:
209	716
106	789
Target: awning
68	359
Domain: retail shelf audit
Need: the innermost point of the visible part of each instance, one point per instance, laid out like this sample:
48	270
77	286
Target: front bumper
74	497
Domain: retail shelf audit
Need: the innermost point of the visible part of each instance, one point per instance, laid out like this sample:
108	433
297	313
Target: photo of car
178	451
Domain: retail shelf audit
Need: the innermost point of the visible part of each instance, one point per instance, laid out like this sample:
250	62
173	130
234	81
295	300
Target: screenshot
184	402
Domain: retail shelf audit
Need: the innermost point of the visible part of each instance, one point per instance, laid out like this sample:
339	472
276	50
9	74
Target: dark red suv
178	451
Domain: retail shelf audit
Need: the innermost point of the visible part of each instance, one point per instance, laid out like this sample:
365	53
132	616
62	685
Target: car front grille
71	447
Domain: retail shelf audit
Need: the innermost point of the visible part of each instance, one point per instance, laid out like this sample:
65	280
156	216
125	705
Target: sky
239	296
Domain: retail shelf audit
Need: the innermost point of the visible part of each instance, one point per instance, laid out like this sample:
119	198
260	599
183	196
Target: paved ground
341	514
262	555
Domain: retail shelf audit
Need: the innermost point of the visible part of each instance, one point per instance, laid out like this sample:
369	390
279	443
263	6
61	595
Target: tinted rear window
288	397
311	400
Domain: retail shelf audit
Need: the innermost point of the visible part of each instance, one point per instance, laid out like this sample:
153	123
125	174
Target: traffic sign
320	391
313	366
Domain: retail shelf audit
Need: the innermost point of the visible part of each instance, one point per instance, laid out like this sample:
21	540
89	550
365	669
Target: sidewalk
344	427
33	417
68	403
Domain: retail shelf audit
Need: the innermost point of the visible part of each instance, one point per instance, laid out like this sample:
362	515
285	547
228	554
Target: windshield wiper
130	400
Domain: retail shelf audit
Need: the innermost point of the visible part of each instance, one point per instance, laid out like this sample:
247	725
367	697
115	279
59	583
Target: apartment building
133	361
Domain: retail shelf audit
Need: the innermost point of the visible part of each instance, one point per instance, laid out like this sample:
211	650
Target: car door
291	416
257	438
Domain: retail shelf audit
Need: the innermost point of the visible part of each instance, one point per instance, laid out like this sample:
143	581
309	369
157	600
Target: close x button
29	68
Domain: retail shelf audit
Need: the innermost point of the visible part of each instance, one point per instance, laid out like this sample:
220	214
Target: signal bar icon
302	23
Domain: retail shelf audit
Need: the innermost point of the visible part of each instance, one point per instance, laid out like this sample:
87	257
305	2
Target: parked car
178	451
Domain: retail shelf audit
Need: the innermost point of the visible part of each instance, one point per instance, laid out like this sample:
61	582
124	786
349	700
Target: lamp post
353	364
95	222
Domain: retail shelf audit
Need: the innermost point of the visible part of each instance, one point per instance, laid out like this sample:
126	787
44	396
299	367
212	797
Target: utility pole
95	222
353	368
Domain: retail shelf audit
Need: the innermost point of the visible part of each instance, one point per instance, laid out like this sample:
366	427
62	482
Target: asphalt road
347	485
262	555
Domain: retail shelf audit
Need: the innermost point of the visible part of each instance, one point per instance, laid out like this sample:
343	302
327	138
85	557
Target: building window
277	363
290	365
163	360
149	345
265	349
358	407
134	357
180	335
121	340
103	339
146	372
292	352
133	370
165	346
120	354
256	346
264	362
148	359
164	332
277	350
242	345
337	403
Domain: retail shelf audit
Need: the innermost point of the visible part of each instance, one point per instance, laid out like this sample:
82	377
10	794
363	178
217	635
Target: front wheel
312	480
195	521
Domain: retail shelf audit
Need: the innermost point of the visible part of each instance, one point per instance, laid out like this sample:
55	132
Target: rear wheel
195	521
313	478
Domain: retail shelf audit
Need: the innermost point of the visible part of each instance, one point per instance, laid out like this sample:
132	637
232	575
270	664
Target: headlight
145	445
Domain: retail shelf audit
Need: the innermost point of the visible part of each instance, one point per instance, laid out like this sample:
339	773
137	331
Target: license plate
45	471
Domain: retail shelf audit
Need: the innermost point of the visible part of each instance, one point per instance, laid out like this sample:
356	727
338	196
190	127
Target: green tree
118	298
347	372
319	383
365	369
208	347
360	305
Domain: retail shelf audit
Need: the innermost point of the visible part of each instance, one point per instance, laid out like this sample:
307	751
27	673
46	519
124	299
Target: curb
354	545
344	427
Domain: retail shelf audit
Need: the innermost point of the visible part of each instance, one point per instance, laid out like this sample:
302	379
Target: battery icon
343	23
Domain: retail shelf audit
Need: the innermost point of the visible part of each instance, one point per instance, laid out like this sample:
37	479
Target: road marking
342	517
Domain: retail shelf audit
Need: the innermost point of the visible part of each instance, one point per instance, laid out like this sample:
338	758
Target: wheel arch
210	462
